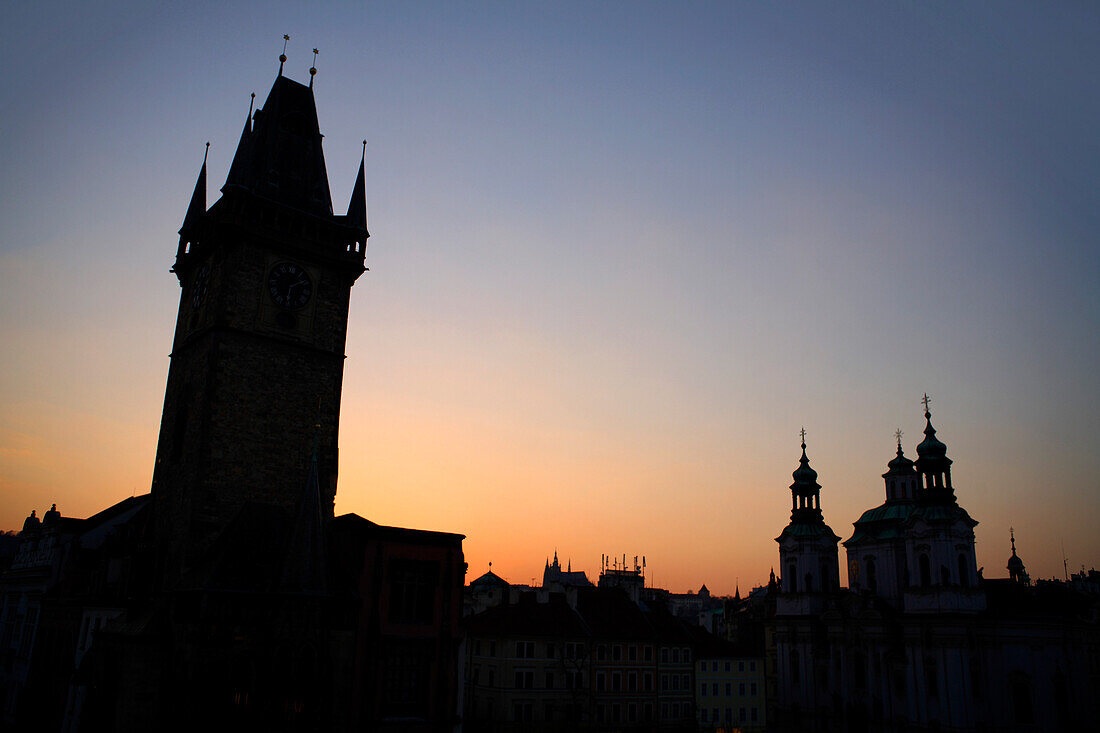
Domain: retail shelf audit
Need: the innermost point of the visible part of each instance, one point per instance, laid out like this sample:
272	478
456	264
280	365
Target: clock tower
258	354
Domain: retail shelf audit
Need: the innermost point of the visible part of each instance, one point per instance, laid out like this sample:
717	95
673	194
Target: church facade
231	596
920	640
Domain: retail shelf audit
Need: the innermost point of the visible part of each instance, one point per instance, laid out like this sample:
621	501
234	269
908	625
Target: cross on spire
802	432
282	56
313	69
925	401
898	434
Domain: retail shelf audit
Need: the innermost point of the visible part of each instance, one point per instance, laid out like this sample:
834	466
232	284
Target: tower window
964	576
925	571
792	573
872	580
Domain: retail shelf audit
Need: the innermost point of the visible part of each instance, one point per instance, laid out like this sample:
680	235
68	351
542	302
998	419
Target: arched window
925	571
945	575
964	576
809	582
792	573
872	581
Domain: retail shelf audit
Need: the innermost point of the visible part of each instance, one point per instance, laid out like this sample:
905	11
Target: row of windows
577	650
742	687
527	649
728	666
743	715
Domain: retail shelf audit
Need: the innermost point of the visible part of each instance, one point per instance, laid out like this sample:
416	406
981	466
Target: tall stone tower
258	355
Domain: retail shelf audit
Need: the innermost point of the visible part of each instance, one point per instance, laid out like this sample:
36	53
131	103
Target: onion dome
931	453
31	523
900	466
805	478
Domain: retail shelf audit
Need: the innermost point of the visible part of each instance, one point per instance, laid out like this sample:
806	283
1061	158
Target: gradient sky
621	253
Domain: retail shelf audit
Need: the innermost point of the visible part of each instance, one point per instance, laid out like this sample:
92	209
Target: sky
621	253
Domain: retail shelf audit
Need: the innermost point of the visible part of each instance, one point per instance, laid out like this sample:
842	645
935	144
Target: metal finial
926	400
282	56
206	153
898	434
803	434
313	69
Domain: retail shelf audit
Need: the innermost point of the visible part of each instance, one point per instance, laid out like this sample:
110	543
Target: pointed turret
357	207
236	169
197	207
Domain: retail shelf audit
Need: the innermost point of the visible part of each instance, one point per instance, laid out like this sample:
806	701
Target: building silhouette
920	640
231	597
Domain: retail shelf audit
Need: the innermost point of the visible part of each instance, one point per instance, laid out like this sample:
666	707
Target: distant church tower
807	546
258	355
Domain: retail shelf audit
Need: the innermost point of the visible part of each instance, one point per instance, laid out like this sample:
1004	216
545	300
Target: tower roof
932	452
280	156
197	207
805	478
900	465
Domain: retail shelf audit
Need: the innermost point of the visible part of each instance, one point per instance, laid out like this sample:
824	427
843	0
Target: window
945	576
792	574
647	711
675	656
664	682
525	679
550	651
687	655
740	666
632	713
616	681
753	715
740	689
523	712
525	650
412	590
549	680
601	682
632	653
872	580
617	652
703	691
702	666
647	681
728	666
664	655
752	688
714	689
686	682
713	665
729	689
632	681
964	576
741	715
752	666
729	715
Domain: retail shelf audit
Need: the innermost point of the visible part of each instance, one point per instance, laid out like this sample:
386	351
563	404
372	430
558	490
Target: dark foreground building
231	597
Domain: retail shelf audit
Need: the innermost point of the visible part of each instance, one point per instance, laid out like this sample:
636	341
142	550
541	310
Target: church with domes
920	640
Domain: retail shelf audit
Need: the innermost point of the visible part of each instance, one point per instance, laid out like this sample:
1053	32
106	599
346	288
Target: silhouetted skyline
620	255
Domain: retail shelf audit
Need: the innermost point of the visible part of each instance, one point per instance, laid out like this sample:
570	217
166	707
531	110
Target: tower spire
236	175
357	207
313	68
282	56
197	207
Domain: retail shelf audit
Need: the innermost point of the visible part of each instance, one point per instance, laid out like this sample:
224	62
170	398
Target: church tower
258	355
807	546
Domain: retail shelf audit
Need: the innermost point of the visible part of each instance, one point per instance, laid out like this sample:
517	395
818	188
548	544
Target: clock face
289	285
198	287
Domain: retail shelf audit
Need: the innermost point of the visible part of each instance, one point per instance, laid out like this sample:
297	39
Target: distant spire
197	207
282	56
357	208
313	69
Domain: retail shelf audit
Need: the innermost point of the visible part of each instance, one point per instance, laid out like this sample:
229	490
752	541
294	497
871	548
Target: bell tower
258	355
